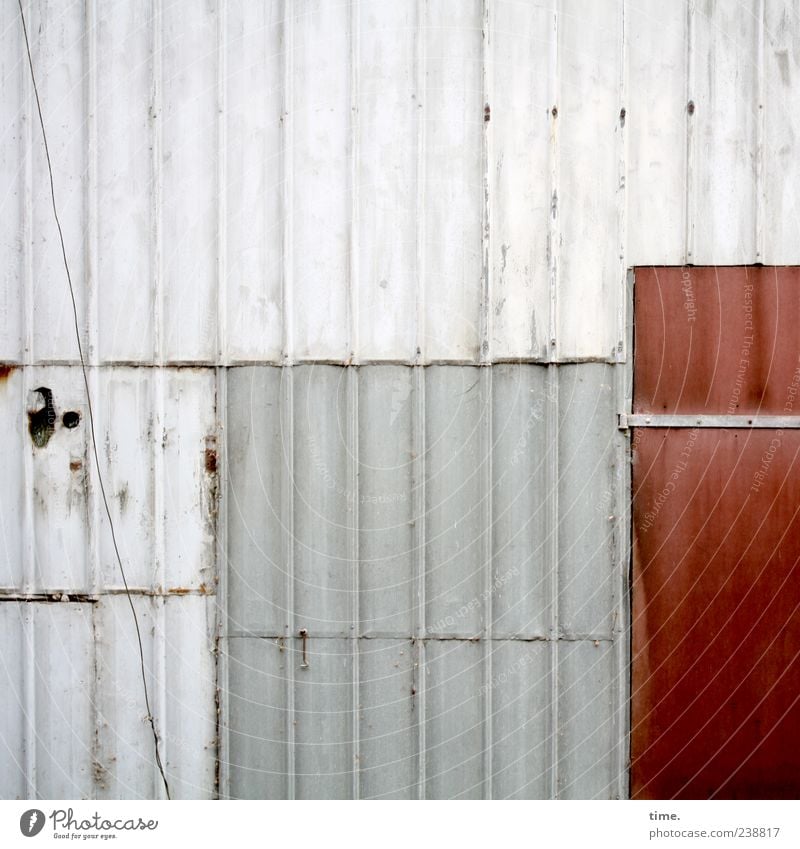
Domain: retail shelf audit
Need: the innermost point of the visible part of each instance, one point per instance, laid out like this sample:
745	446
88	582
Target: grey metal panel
521	719
494	724
323	501
587	486
256	717
454	501
257	579
325	749
389	713
520	589
587	739
454	719
385	499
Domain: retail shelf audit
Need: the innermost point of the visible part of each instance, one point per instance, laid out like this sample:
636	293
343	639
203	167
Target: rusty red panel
716	622
717	340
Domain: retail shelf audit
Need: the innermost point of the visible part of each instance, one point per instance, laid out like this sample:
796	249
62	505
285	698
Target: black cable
89	403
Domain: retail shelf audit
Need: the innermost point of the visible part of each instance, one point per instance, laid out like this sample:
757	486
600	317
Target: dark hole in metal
71	419
42	423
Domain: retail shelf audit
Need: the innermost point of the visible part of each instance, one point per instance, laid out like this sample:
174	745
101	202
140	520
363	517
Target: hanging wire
150	718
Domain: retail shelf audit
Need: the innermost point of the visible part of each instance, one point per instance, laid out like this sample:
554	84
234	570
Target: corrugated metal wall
375	182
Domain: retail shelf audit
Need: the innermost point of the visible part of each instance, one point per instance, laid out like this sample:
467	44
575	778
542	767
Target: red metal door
715	684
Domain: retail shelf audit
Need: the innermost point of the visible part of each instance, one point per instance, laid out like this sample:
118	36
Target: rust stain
5	371
75	465
210	463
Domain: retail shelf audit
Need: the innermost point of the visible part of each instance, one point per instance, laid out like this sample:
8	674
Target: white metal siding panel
14	179
520	64
656	120
452	167
388	114
58	485
13	536
781	117
254	48
724	153
124	115
189	479
187	179
321	206
13	714
591	191
59	55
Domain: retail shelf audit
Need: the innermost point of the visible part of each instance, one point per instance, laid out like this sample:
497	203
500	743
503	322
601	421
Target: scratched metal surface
446	536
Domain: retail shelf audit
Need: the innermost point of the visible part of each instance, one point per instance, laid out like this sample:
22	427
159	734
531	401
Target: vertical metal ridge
287	123
160	645
554	235
552	476
488	607
690	136
354	557
93	507
27	614
94	357
222	790
287	387
760	234
421	342
486	312
222	223
419	471
26	97
156	222
353	352
551	417
158	659
287	524
622	201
